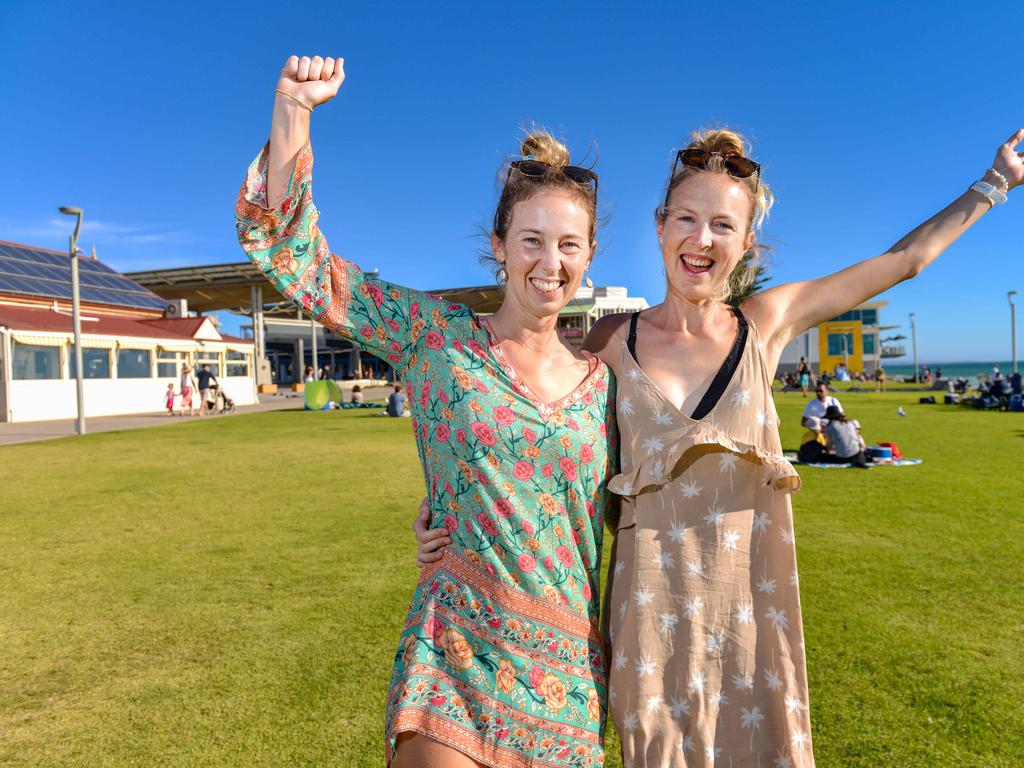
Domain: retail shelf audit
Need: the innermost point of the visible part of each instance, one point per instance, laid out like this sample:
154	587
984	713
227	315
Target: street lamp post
1013	328
913	341
316	351
76	315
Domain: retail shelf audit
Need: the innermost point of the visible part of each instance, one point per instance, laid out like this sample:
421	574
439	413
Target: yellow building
852	339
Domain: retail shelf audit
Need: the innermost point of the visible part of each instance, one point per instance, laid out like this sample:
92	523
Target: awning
99	343
177	347
40	339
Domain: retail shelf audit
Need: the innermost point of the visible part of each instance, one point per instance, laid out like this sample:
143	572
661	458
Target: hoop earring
502	275
588	282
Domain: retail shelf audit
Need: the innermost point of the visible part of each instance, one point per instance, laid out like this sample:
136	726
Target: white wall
45	399
797	348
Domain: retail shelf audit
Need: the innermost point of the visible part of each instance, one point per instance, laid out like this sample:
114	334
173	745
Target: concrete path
30	431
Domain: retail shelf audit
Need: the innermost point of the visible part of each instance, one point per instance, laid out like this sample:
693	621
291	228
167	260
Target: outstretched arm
787	310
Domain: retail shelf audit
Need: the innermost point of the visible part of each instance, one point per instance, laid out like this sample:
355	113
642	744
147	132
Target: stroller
221	402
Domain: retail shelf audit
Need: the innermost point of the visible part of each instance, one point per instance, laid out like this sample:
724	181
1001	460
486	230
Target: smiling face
704	235
545	252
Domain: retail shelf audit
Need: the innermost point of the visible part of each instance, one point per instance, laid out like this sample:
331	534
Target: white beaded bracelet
1001	179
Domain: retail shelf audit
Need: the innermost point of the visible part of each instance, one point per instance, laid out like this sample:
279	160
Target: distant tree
757	280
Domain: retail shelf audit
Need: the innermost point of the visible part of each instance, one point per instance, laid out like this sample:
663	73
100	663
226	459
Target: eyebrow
678	210
529	230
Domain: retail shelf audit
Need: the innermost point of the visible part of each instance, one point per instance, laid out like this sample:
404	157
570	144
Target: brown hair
721	143
541	146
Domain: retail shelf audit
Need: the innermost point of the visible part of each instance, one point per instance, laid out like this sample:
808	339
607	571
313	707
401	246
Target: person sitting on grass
813	445
817	407
396	402
843	440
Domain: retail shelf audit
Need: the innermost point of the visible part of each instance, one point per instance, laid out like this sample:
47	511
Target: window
237	364
869	317
167	364
32	362
869	343
134	364
211	359
840	343
95	363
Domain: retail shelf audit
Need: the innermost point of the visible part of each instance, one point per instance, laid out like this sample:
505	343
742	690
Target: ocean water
953	370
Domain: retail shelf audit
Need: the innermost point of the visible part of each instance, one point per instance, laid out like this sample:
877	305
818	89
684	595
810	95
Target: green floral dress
501	654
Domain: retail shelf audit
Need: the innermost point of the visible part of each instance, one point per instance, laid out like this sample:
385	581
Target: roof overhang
214	287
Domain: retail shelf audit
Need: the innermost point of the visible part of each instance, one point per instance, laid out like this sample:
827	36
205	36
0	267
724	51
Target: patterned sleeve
287	246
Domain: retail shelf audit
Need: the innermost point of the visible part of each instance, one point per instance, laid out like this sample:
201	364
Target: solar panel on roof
40	273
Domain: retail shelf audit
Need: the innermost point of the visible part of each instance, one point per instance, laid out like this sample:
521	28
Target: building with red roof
134	343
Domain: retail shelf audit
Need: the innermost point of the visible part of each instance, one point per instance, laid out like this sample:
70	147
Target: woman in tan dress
702	604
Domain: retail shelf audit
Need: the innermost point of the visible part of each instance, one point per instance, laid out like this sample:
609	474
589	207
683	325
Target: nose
551	258
703	236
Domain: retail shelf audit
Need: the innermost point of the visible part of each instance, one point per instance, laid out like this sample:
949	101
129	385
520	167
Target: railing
897	350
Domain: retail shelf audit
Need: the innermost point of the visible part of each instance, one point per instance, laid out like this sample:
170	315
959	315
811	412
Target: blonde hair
721	143
540	145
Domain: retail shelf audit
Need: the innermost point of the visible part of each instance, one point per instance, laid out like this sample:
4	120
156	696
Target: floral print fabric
703	605
500	655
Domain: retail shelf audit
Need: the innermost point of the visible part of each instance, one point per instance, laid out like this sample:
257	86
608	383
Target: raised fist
312	81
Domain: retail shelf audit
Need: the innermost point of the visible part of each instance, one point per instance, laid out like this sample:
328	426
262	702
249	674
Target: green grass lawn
228	592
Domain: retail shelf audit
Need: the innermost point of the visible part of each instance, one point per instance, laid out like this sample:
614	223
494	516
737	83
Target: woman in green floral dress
500	659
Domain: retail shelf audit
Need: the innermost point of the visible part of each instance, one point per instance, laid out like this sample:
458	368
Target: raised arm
783	312
304	84
278	228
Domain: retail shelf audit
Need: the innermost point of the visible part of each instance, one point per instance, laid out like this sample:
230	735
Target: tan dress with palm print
703	606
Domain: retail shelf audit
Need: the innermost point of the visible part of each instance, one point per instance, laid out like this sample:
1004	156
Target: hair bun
545	148
720	141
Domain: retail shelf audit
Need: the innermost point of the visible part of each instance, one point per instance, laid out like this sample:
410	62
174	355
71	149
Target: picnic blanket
792	459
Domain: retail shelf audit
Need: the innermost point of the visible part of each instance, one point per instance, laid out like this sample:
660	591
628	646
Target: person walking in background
879	379
188	387
206	382
169	399
803	372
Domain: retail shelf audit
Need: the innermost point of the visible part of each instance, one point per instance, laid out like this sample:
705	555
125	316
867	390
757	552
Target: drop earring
588	282
503	275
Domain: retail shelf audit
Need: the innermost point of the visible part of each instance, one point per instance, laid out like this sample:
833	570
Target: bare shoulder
606	335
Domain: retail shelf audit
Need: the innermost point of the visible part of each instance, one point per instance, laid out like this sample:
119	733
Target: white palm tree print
690	489
777	617
751	719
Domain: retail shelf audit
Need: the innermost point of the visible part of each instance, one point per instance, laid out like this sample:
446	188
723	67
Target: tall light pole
913	338
316	352
76	315
1013	328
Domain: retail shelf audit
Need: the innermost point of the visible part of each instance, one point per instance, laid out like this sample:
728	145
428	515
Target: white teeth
698	263
546	285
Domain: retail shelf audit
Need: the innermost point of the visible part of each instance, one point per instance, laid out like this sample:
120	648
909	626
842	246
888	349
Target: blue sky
867	118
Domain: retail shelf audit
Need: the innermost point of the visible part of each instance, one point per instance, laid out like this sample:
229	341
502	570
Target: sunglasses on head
737	166
535	169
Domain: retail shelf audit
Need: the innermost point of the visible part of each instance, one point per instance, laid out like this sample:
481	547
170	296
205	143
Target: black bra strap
631	339
725	373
